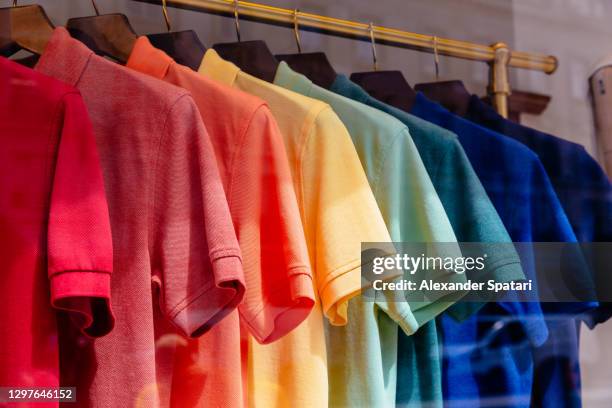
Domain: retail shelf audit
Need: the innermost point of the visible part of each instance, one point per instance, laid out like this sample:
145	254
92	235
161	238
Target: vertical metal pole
499	84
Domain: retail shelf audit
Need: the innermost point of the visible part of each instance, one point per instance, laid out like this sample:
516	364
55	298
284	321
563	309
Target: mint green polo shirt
362	356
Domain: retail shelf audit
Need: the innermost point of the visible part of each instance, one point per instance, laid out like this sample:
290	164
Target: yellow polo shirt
338	212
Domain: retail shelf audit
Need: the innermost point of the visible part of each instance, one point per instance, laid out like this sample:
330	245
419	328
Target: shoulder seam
243	134
383	162
315	113
151	208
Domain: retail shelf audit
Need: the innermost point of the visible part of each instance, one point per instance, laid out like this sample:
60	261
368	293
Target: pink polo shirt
279	290
176	257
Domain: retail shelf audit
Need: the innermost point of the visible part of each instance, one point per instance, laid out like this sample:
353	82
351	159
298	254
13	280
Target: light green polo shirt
362	356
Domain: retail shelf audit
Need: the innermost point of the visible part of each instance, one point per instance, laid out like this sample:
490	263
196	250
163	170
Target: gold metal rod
352	29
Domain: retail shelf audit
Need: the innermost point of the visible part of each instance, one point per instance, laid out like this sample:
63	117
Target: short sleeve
414	213
80	250
279	287
340	213
195	258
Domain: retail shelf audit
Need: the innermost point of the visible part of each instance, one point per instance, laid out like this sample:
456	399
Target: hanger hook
237	20
165	13
373	43
95	7
296	30
436	57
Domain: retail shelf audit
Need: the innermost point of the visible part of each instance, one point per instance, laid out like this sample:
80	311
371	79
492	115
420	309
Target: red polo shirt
172	229
55	237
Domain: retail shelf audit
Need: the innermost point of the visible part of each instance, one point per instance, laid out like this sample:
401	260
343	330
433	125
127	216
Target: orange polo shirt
257	180
338	212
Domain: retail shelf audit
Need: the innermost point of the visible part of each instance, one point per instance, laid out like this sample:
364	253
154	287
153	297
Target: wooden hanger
389	87
24	28
253	57
451	94
183	46
314	65
109	35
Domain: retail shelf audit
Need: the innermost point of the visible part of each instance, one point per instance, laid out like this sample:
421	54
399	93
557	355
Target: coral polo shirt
257	179
55	237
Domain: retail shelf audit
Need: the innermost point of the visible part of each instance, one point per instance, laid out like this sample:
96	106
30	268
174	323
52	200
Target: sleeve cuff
398	309
335	294
505	270
86	295
273	322
199	312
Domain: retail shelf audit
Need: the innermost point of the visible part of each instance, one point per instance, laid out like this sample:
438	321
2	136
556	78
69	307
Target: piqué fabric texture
473	218
331	188
257	179
585	193
176	257
56	249
413	213
523	196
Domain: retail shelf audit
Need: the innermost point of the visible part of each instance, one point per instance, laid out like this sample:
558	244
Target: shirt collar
217	68
64	57
147	59
422	104
479	109
289	79
344	86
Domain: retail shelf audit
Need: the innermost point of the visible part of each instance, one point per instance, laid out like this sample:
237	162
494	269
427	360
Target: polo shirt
54	226
176	257
256	177
495	362
338	213
413	213
586	196
470	212
473	218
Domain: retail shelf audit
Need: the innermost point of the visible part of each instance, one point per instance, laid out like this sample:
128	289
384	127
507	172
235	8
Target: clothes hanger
183	46
24	28
314	65
389	87
109	35
451	94
253	57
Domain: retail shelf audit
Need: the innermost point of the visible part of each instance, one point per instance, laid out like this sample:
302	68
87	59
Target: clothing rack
498	56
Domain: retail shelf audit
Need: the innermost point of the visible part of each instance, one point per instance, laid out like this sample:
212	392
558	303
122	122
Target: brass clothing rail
498	56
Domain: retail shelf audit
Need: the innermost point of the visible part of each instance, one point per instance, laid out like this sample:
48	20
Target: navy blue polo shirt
488	360
586	196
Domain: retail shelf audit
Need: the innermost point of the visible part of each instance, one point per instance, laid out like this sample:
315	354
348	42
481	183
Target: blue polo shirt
586	196
488	360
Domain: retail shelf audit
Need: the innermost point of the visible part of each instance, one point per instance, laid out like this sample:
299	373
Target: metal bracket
499	84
